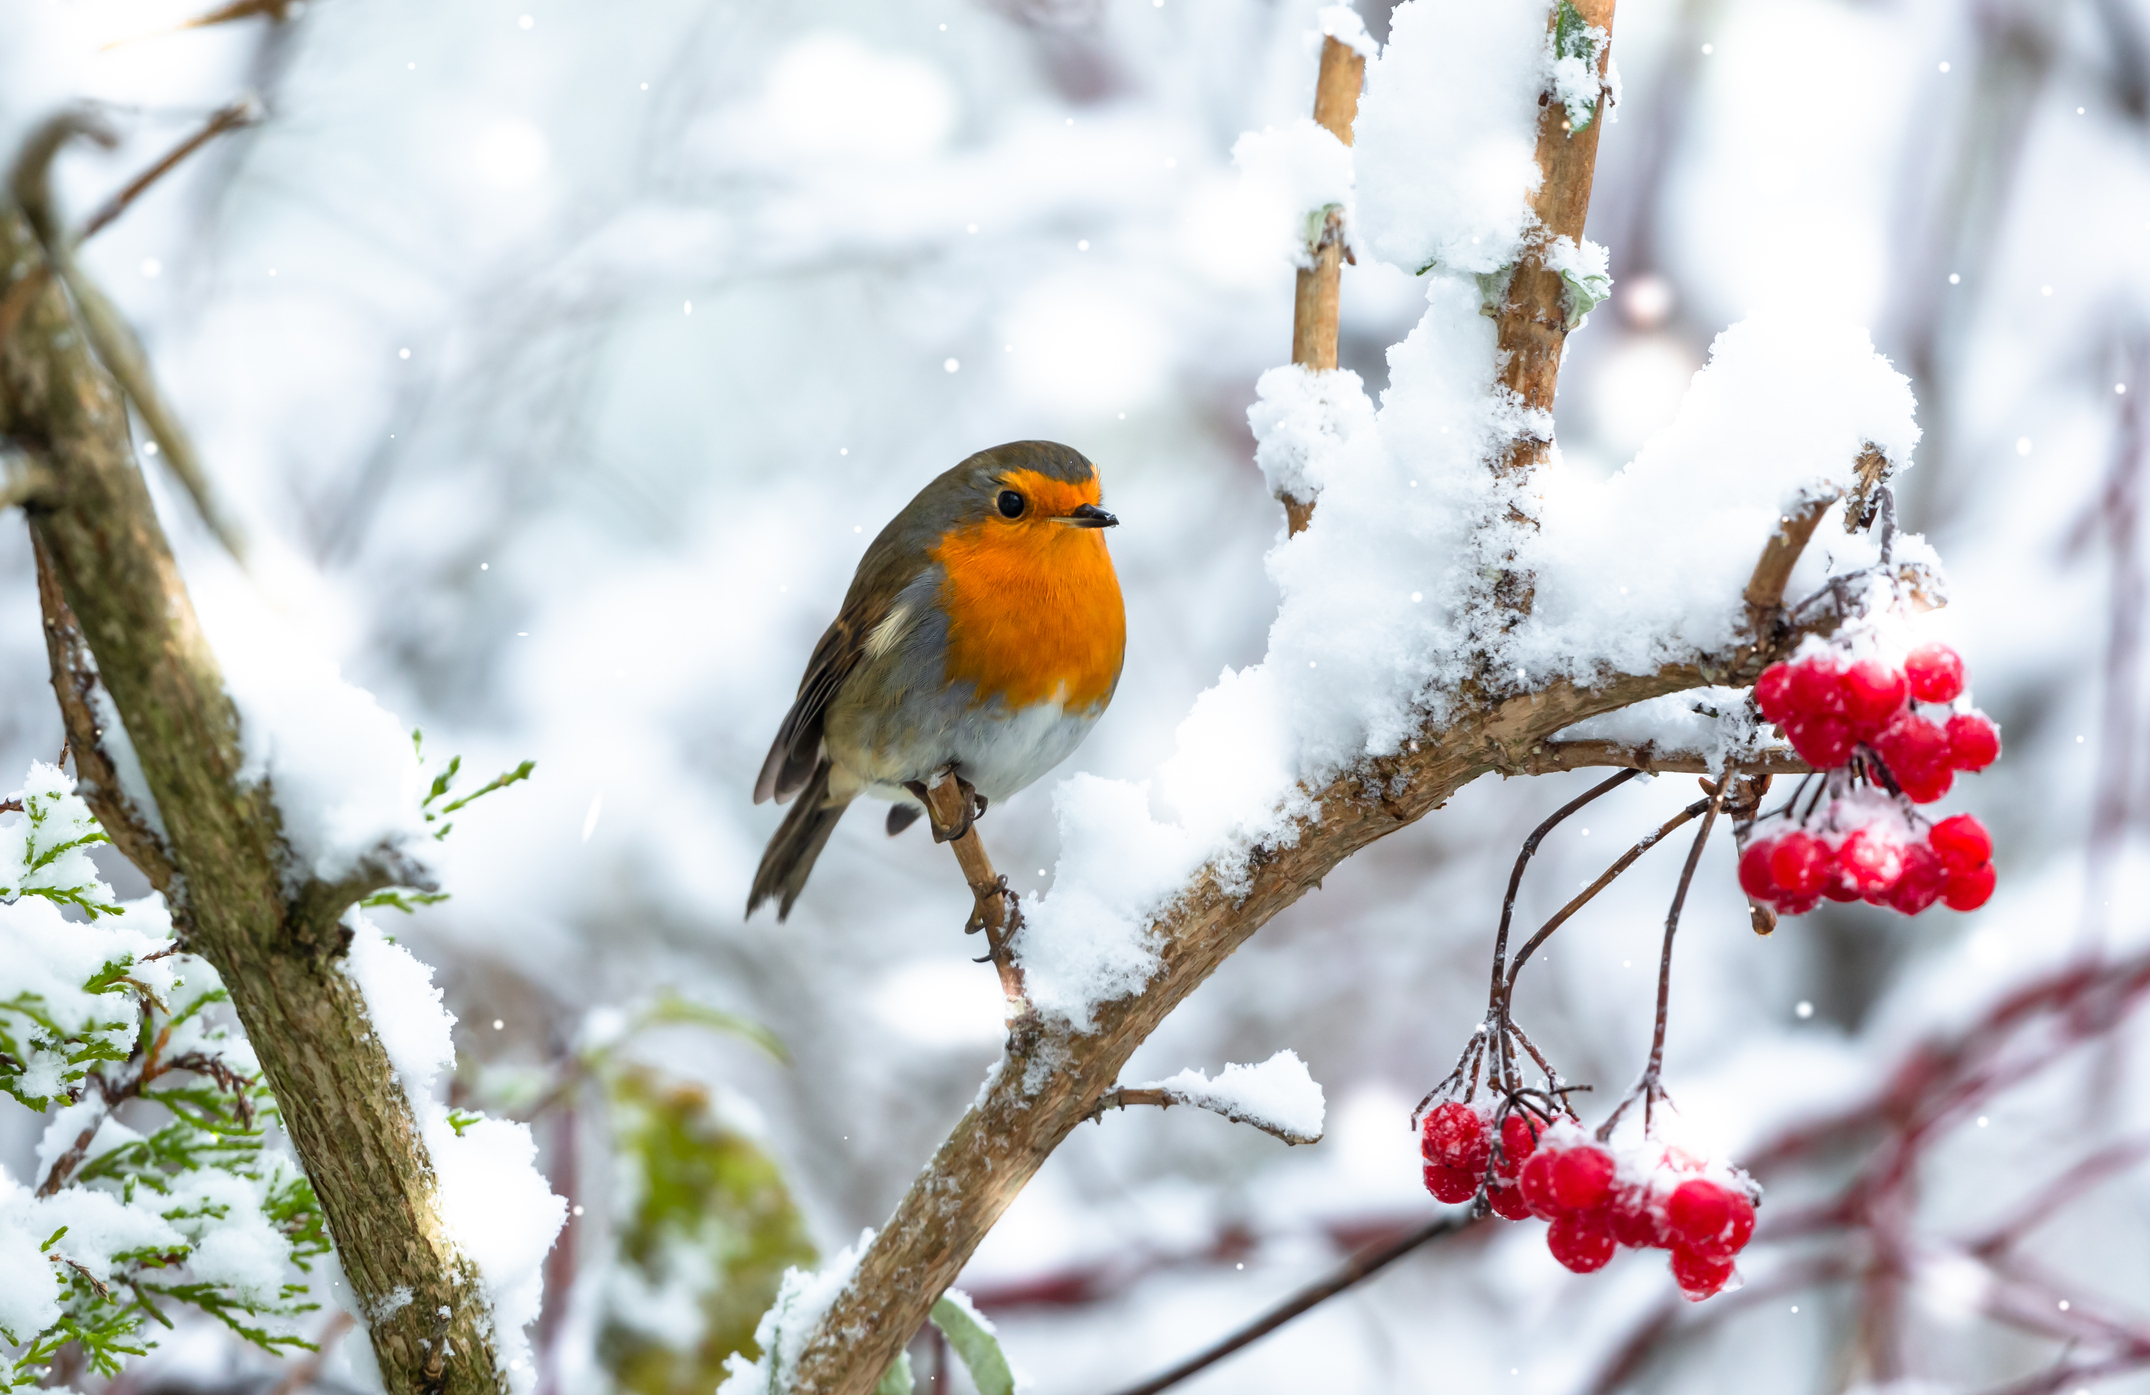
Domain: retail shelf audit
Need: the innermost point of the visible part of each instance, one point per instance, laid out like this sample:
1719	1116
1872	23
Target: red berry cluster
1864	849
1648	1196
1860	722
1832	711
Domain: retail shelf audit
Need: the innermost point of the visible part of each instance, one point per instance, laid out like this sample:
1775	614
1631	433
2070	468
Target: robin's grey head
1025	483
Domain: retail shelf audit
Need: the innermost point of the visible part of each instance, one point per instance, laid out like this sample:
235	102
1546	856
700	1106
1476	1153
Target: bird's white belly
1001	753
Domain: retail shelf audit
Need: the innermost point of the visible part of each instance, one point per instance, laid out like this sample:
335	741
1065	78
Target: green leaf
498	782
967	1332
896	1380
461	1119
404	901
1583	294
1571	37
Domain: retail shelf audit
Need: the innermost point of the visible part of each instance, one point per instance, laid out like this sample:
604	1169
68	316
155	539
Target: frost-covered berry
1961	842
1974	742
1455	1136
1872	694
1870	860
1755	878
1635	1219
1451	1184
1773	692
1801	863
1916	752
1519	1139
1824	742
1700	1275
1508	1203
1922	882
1935	673
1814	690
1967	891
1536	1181
1709	1217
1580	1239
1582	1177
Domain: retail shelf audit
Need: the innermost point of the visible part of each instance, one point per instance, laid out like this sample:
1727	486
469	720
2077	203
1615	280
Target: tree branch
112	337
1317	295
1552	756
120	621
1363	1265
1165	1098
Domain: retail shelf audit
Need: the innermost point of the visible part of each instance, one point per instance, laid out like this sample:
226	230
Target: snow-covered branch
1278	1096
158	738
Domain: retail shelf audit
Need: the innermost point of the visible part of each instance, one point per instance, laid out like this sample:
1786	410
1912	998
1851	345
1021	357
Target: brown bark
118	617
1316	297
1533	320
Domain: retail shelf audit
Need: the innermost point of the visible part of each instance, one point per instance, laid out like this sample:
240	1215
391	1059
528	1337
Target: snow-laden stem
1317	296
125	639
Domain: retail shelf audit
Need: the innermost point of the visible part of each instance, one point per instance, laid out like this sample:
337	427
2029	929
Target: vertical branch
2119	515
1533	320
1315	300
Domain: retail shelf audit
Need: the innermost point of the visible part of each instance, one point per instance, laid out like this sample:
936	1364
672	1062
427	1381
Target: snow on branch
1278	1096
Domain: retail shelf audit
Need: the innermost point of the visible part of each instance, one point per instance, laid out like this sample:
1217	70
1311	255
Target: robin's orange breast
1033	607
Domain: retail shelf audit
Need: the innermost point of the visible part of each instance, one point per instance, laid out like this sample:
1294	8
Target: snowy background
560	360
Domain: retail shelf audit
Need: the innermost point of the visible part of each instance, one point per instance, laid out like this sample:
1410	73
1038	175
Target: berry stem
1605	879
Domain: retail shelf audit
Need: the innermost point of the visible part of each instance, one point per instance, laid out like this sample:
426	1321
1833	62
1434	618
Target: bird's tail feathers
799	840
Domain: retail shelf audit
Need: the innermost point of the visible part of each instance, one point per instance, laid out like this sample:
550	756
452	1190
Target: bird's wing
791	759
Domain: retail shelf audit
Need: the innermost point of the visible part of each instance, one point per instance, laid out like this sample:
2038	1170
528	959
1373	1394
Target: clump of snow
1301	171
1303	422
802	1299
1342	23
1586	268
346	781
1447	134
1278	1095
1718	724
414	1026
1572	72
494	1203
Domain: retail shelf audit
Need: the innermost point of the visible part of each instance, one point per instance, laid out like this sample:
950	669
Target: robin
981	637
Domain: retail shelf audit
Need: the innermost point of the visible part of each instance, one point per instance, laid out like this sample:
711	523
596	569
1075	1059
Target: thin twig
229	117
1164	1098
1605	879
1361	1266
1648	1087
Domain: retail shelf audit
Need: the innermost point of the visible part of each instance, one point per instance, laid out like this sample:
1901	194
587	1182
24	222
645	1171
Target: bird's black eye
1011	504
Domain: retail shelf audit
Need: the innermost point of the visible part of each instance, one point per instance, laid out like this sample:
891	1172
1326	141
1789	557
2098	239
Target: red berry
1801	863
1755	878
1967	891
1935	673
1796	905
1536	1182
1508	1202
1519	1139
1840	888
1455	1136
1742	1222
1872	693
1580	1240
1634	1221
1451	1184
1773	692
1974	742
1871	861
1824	742
1922	882
1962	842
1916	752
1700	1275
1927	790
1814	690
1582	1177
1699	1214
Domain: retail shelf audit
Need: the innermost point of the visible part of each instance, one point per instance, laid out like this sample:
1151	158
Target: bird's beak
1088	516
